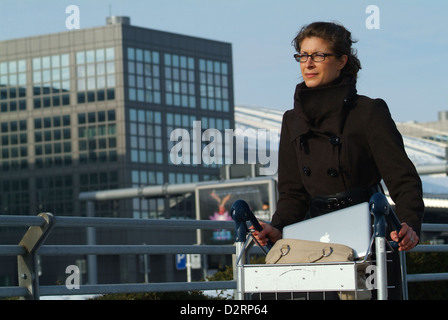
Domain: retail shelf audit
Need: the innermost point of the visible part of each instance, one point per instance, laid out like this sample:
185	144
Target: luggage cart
314	277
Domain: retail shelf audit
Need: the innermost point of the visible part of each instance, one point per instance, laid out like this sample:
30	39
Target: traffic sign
181	261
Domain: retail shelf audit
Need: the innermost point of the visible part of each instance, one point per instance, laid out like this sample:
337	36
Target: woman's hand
407	238
268	233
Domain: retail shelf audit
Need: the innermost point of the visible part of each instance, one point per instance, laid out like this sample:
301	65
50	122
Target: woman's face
316	74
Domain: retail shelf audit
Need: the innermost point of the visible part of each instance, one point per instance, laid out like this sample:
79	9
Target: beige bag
287	251
304	251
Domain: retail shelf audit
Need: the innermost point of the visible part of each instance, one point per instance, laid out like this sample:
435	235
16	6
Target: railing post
91	241
27	264
404	275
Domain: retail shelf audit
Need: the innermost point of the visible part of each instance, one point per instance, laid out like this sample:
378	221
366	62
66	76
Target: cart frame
311	277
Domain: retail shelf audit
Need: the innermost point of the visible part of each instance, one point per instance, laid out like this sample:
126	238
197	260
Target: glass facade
146	136
14	145
214	85
55	194
180	84
52	137
13	85
14	196
51	81
101	180
144	75
147	208
177	121
95	72
182	76
97	134
184	121
157	82
167	80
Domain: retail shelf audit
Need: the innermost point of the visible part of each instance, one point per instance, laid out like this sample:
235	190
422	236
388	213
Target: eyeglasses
316	56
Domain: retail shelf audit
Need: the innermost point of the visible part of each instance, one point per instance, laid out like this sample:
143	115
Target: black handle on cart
242	214
380	208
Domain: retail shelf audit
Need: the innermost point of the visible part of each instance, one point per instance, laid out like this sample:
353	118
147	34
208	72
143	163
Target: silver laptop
350	226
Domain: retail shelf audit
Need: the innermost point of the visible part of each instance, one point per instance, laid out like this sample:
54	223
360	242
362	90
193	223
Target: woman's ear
342	61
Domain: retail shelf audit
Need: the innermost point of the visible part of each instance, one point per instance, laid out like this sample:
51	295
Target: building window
180	121
144	178
183	121
13	86
146	136
178	177
14	197
55	194
144	75
52	137
101	180
214	85
14	145
95	73
147	208
97	134
220	125
180	81
51	81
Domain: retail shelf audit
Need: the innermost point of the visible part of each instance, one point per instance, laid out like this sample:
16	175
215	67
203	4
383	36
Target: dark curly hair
340	40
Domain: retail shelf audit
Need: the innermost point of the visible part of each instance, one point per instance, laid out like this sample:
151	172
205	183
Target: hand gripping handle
241	213
380	208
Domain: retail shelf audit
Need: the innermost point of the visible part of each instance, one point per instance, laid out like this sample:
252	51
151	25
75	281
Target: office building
93	109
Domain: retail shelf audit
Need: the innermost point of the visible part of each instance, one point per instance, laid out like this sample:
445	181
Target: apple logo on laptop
325	238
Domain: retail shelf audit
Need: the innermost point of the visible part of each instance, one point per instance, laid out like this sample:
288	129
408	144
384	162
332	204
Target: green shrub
189	295
427	262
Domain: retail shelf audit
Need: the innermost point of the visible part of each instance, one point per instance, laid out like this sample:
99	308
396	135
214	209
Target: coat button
334	140
307	171
332	172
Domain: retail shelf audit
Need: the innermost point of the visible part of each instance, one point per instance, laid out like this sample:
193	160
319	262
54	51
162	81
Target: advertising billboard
213	202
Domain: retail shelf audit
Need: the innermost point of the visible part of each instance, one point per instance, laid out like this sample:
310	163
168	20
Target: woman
336	145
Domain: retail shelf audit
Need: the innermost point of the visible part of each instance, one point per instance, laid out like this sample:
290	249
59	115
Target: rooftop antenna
110	10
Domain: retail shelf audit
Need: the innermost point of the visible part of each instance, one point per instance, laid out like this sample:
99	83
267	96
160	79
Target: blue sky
404	61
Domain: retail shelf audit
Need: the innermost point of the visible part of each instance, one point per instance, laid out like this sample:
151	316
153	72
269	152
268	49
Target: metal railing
32	245
421	277
40	226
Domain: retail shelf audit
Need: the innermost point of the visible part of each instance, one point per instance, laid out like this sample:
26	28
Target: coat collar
321	109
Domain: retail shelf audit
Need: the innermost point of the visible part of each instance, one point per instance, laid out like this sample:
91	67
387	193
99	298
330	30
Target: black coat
335	140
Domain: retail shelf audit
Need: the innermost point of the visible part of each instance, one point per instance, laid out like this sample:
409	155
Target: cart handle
241	214
379	207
